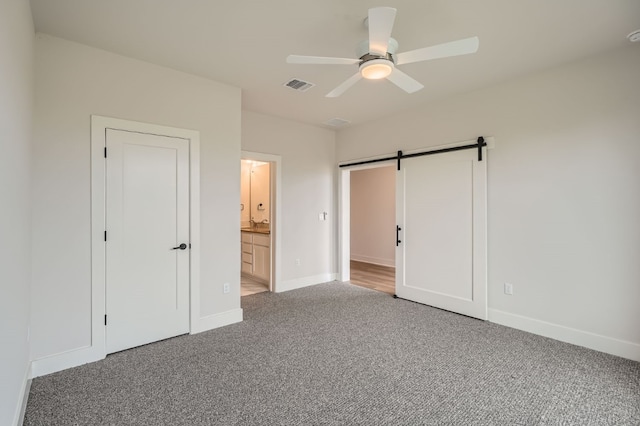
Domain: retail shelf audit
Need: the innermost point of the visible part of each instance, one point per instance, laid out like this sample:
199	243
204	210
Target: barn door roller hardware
480	143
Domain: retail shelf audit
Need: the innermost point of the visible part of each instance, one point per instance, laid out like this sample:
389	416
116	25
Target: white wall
16	106
373	215
308	188
74	81
564	193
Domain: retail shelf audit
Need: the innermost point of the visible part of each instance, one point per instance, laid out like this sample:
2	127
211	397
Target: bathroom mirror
255	194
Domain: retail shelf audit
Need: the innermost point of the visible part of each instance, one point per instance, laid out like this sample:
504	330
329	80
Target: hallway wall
308	189
16	111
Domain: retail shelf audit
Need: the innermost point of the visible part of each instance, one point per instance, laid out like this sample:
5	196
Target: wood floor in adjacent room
375	277
249	286
368	275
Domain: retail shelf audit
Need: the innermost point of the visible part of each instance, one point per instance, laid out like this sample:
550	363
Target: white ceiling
244	43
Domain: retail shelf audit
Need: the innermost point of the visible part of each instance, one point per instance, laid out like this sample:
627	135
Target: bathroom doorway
259	213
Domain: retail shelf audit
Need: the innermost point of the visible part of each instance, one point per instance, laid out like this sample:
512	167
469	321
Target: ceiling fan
377	56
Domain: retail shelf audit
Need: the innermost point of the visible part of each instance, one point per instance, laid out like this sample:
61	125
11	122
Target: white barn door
441	212
147	238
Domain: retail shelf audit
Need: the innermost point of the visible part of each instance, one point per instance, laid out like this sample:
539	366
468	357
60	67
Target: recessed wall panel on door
441	210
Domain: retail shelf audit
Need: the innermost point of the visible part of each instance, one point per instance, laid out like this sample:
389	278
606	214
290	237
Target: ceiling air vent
299	85
336	122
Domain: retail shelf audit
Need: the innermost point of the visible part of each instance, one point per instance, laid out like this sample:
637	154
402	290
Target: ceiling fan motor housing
370	57
365	54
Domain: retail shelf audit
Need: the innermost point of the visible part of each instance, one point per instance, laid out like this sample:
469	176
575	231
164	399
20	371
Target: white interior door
441	210
147	216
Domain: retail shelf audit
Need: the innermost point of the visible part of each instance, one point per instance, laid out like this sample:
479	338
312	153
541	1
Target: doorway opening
370	255
259	211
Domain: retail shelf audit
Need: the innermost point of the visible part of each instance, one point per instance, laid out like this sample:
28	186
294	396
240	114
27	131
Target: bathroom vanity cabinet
256	257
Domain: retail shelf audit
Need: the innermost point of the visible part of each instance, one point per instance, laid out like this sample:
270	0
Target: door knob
180	247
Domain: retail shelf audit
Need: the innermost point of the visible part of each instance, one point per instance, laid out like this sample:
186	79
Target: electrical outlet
508	289
225	288
297	262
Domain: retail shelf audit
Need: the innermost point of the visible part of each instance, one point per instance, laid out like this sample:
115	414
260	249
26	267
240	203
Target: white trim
598	342
21	407
99	124
373	260
194	231
218	320
305	282
276	205
480	237
344	225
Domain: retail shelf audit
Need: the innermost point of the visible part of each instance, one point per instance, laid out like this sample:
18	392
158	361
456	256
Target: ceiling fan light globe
376	69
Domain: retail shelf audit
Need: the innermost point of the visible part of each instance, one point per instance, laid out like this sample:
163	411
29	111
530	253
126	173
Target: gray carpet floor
336	354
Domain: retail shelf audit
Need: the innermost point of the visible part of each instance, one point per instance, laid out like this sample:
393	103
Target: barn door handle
398	229
182	246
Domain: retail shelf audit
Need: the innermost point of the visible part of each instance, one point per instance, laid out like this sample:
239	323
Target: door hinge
105	152
105	319
105	235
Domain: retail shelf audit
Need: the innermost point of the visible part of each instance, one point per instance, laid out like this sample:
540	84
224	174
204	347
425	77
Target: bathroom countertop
256	231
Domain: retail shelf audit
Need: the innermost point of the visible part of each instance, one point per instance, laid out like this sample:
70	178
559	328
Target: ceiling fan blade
403	81
380	26
344	86
444	50
322	60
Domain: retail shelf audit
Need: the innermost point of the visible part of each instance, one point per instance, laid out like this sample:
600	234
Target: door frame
275	247
344	223
344	199
99	125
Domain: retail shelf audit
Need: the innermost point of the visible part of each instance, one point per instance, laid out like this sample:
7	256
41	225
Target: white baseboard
21	407
218	320
622	348
304	282
374	260
62	361
87	354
